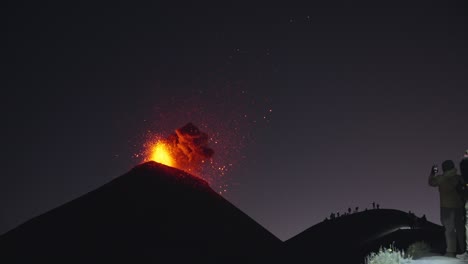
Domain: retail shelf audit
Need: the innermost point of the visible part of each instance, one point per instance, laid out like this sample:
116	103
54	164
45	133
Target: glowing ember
186	149
227	116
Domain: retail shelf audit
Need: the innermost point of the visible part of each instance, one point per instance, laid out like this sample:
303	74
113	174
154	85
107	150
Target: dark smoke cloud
190	148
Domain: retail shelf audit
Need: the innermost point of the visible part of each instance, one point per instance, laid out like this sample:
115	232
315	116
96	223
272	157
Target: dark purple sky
364	99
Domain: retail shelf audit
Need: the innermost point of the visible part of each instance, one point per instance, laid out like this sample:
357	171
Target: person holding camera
451	205
464	192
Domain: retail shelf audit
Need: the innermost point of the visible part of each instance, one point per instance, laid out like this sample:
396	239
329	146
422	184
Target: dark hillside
152	213
350	238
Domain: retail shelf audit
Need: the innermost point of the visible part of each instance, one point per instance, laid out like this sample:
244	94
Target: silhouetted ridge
152	213
159	214
356	235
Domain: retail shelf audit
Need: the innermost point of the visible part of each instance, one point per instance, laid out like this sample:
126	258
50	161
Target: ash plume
190	147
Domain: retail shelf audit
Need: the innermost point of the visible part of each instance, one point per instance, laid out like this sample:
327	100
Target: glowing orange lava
186	149
161	152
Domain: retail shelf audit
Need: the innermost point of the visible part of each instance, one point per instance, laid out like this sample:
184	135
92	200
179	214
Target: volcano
151	214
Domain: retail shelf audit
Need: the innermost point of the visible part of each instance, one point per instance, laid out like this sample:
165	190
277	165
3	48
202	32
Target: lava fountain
161	152
186	149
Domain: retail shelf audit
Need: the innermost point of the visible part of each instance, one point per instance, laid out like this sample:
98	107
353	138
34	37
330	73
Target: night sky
314	108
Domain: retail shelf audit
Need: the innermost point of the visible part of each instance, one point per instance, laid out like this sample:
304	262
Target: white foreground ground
437	260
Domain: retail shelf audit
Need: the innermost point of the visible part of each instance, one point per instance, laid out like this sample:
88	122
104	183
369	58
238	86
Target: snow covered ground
437	260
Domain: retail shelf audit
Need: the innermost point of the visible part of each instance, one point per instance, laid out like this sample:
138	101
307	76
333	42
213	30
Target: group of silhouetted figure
453	197
350	211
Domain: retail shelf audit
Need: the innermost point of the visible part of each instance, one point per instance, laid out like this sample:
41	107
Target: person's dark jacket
447	183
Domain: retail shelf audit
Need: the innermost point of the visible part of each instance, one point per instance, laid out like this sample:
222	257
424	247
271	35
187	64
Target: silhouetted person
419	222
424	219
373	205
338	214
349	210
378	206
464	192
413	221
356	209
451	205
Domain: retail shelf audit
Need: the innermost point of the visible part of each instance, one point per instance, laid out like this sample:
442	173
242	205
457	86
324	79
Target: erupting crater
185	149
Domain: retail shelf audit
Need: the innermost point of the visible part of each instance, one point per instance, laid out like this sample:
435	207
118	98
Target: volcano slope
152	214
350	238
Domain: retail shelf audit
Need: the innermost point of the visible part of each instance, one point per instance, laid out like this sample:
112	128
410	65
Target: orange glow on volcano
161	152
185	149
215	147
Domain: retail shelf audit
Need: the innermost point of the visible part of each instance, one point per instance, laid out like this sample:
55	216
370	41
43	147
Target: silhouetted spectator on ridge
451	205
378	206
464	193
373	205
423	219
349	209
357	209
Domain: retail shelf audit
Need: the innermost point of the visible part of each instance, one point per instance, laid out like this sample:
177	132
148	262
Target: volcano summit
152	213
